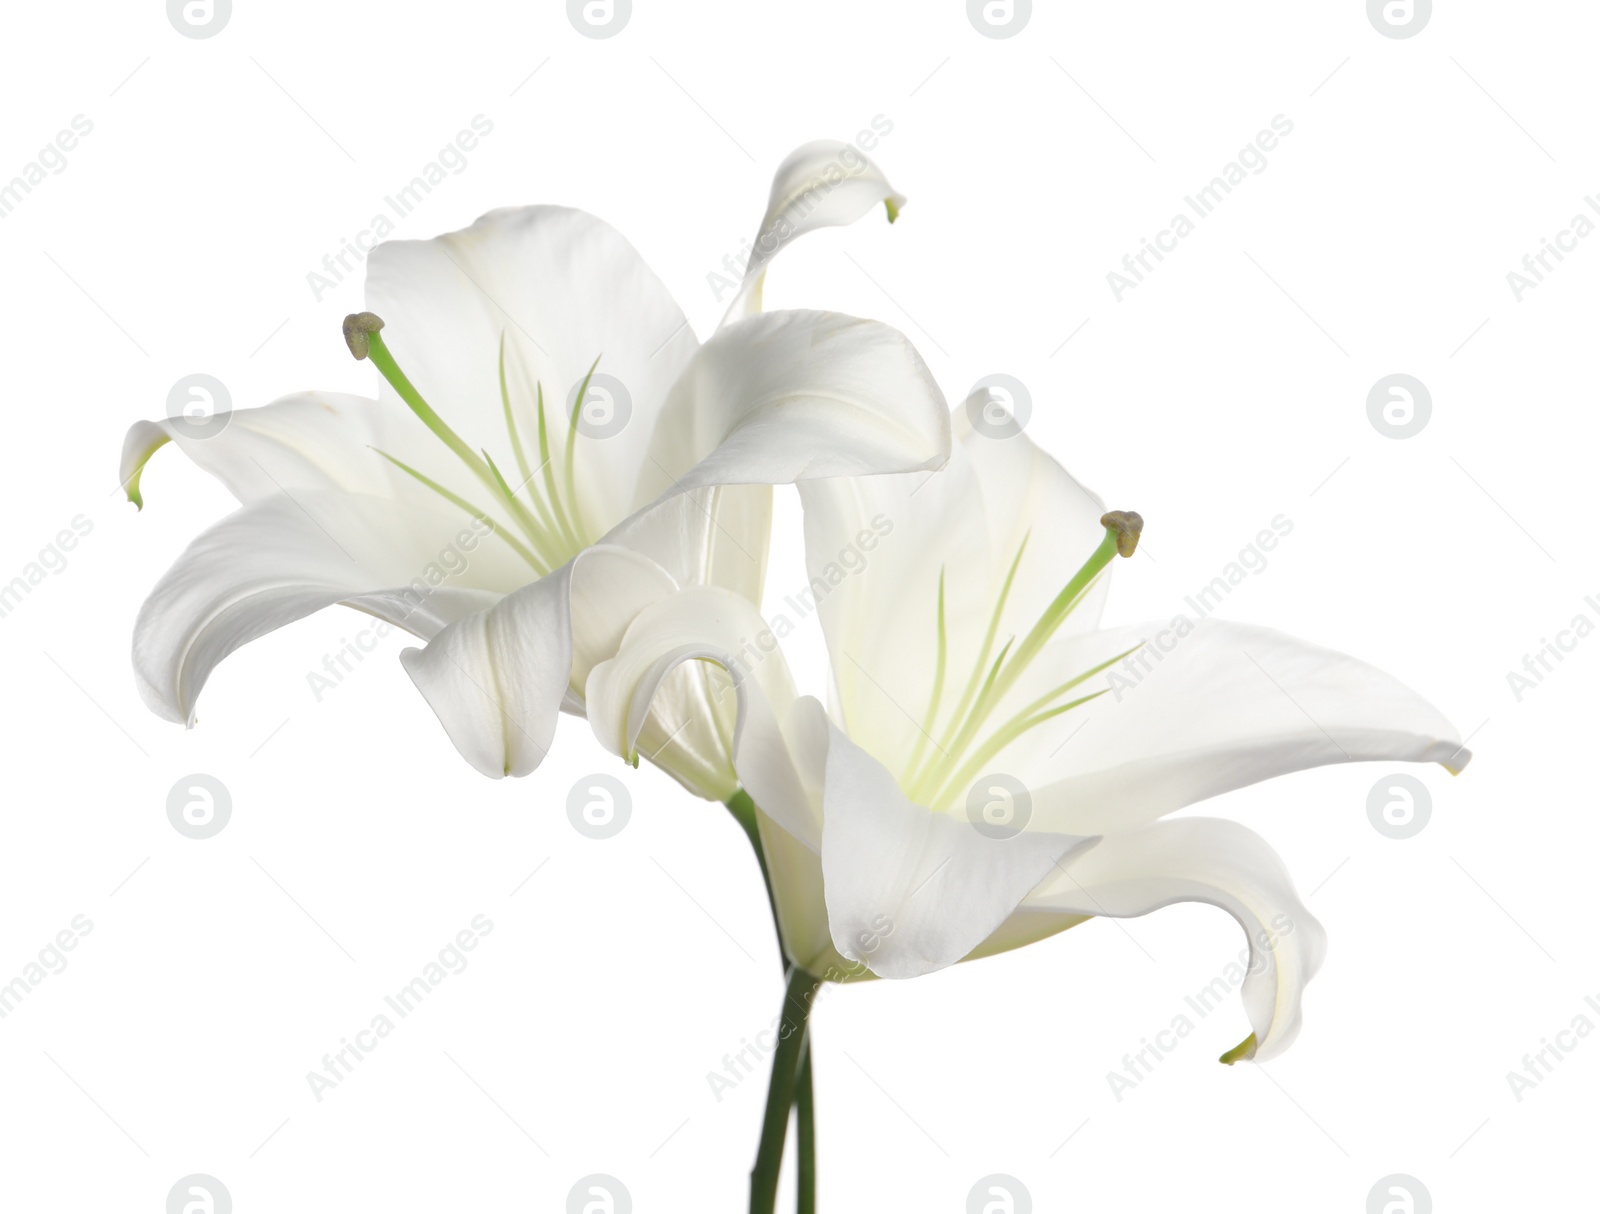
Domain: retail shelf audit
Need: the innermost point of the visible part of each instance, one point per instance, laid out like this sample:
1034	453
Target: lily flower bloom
551	449
996	766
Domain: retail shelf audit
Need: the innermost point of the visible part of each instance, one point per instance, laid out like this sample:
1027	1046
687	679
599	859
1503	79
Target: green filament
964	749
551	522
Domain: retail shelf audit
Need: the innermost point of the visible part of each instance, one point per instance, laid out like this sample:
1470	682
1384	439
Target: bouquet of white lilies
546	405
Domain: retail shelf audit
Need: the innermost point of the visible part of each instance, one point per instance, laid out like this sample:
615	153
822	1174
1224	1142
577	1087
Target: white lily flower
996	766
552	449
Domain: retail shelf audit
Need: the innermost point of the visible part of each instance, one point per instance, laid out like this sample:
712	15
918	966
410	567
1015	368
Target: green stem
781	1092
743	809
806	1144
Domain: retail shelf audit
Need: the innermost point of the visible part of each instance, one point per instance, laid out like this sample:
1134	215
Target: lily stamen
361	334
1123	529
545	519
572	447
568	531
913	775
530	525
455	499
554	535
1037	713
926	733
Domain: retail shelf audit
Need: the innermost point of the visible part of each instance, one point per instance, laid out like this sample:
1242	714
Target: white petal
795	869
697	679
877	546
910	891
1220	707
610	586
270	563
563	289
709	537
310	442
1205	860
788	396
497	679
779	744
819	185
315	449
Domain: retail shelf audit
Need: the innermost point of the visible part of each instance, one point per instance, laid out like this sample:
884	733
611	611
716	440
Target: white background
1226	389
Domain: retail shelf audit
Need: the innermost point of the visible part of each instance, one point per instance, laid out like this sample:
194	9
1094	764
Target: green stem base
790	1086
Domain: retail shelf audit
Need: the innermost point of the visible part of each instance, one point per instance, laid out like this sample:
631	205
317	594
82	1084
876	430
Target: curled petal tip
144	440
358	329
892	209
1127	524
1242	1052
